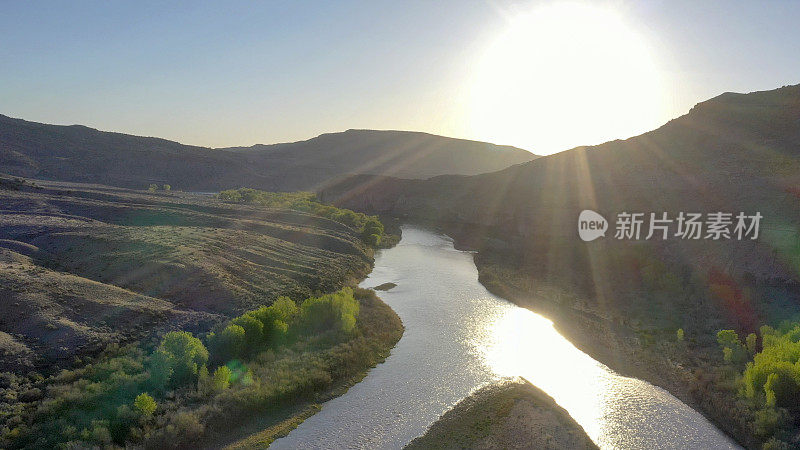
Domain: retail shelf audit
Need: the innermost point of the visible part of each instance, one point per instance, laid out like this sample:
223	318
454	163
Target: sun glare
563	75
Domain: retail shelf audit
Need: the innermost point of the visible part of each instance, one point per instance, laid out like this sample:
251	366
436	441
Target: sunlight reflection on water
460	337
522	343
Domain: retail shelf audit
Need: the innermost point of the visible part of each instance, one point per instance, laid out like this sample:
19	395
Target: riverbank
685	369
456	331
508	414
379	329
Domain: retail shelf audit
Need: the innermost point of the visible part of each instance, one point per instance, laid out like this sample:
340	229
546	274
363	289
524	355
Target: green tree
727	355
152	188
253	330
204	385
186	354
145	404
231	196
728	338
276	319
160	369
679	333
373	240
372	231
331	312
752	342
167	187
347	217
285	309
222	378
230	343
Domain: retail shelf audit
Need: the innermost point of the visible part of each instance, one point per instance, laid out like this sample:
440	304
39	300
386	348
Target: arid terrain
103	289
85	265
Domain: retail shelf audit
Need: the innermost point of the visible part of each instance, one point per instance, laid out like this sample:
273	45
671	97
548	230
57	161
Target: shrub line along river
460	337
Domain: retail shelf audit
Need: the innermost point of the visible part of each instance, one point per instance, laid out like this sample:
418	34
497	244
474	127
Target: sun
563	75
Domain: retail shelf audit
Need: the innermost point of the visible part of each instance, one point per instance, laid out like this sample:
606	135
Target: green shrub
331	312
732	349
221	379
99	433
775	444
214	384
182	427
769	421
145	404
370	227
774	373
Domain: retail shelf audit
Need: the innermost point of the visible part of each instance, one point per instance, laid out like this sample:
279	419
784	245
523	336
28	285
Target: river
460	337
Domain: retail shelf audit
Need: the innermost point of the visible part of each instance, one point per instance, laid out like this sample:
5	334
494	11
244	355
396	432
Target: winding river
460	337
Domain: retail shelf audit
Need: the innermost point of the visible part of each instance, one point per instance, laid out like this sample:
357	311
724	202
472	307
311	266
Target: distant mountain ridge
81	154
402	154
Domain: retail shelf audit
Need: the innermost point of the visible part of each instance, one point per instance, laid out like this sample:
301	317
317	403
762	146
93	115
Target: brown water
458	338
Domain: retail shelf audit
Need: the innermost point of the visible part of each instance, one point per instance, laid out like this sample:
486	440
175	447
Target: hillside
80	154
86	265
401	154
623	300
736	152
158	319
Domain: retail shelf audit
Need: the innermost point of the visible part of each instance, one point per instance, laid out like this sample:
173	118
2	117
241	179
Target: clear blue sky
245	72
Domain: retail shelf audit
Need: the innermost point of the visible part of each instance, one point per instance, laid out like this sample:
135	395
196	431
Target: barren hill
80	154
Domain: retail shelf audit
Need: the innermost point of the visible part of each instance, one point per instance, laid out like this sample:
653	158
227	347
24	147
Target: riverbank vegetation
765	371
189	388
370	228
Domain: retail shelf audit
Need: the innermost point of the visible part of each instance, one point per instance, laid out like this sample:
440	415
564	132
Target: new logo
591	225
